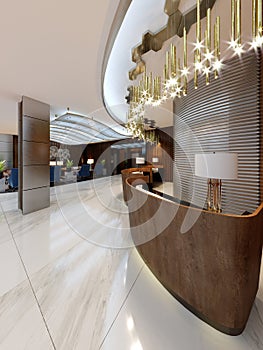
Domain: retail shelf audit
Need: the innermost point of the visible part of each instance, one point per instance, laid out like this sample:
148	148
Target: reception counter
210	262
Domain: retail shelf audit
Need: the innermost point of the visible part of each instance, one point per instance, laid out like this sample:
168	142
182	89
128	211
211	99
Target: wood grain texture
213	268
135	179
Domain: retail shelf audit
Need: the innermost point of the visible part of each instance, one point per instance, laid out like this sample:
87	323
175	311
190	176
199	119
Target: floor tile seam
121	307
9	230
17	235
32	289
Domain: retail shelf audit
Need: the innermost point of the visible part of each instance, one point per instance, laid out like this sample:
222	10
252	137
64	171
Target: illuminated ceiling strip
72	130
76	126
68	139
62	133
79	138
92	123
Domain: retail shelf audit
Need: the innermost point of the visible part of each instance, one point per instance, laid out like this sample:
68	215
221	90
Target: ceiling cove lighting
154	90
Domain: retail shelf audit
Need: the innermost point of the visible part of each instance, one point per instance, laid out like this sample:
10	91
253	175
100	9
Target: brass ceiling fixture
175	24
154	90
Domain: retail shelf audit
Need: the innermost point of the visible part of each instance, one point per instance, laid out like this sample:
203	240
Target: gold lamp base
214	193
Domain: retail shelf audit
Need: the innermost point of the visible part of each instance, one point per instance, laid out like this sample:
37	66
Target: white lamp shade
217	165
59	162
90	161
155	160
53	162
140	160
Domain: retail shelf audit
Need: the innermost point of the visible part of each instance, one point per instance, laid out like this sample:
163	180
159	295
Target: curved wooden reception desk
213	268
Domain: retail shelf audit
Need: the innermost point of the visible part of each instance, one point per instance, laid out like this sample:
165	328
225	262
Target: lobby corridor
71	279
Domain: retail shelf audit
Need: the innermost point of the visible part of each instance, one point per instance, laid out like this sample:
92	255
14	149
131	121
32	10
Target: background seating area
9	180
84	172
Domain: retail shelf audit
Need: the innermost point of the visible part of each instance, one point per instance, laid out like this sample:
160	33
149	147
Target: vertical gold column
155	95
197	53
217	43
185	63
179	82
208	44
259	18
147	85
233	20
165	82
238	21
167	62
145	81
173	61
159	88
150	84
208	25
218	37
198	22
195	71
165	73
254	20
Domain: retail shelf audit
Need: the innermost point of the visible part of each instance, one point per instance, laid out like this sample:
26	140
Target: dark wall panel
35	199
35	130
35	177
35	153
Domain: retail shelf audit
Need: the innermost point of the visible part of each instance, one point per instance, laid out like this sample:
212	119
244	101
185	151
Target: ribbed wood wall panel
224	116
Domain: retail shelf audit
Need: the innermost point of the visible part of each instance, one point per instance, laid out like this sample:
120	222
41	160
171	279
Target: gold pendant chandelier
153	90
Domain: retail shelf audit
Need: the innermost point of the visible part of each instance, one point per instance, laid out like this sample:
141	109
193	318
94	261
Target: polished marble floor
71	279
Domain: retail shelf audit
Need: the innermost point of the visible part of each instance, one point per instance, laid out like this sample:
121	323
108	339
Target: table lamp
140	160
215	167
90	161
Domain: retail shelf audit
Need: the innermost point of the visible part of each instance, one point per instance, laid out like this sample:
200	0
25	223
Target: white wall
8	115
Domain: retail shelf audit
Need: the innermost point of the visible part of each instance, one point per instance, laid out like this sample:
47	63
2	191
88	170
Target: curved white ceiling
53	51
142	16
72	128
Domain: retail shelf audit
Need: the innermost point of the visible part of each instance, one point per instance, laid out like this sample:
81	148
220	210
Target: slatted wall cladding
223	116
